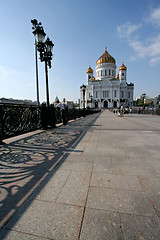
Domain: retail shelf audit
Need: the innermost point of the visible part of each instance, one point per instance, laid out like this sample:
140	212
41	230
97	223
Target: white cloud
149	47
154	17
154	61
127	29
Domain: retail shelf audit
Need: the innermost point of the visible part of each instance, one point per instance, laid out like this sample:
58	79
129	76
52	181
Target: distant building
106	90
69	104
17	101
78	101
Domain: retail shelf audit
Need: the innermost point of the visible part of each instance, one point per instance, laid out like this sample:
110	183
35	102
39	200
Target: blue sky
80	29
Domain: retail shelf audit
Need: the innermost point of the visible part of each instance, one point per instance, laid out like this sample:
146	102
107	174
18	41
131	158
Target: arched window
109	72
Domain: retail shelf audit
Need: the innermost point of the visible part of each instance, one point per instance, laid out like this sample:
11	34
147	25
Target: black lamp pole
45	50
83	89
47	87
143	97
34	22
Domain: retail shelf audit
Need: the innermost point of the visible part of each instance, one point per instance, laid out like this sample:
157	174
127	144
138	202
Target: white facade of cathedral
106	90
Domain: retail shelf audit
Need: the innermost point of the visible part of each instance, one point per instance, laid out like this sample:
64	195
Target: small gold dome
123	67
94	78
106	58
117	77
89	70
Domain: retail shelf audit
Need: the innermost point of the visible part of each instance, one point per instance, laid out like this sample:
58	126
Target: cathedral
106	89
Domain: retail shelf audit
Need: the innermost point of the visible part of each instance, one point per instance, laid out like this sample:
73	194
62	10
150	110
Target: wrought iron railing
19	119
151	111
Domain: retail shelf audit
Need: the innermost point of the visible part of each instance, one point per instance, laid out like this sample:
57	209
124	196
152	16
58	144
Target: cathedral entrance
96	104
115	104
105	104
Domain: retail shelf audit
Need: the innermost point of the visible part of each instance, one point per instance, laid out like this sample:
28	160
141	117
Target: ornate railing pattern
18	119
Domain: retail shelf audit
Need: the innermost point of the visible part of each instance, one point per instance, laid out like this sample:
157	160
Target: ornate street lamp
35	28
45	49
143	97
83	90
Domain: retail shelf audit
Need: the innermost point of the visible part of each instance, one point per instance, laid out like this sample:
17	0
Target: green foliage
139	102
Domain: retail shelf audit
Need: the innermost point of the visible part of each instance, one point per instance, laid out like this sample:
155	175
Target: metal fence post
52	116
44	116
74	113
1	126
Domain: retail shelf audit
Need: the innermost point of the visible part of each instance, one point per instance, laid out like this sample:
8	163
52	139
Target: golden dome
89	70
94	78
123	67
117	77
106	58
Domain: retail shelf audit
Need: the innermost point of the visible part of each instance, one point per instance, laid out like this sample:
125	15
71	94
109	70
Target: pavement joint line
60	203
30	234
118	189
63	186
84	210
124	213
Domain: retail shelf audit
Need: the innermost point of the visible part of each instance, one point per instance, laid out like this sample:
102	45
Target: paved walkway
96	178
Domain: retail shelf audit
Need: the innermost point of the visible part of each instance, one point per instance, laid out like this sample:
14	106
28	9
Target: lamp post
83	90
35	24
91	100
45	49
143	97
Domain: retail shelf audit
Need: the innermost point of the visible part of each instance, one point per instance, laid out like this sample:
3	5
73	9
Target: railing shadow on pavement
28	164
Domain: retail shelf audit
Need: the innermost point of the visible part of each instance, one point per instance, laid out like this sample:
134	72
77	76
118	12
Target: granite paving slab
136	170
100	179
53	188
14	235
80	158
140	227
48	220
125	201
155	163
100	224
151	187
77	166
75	190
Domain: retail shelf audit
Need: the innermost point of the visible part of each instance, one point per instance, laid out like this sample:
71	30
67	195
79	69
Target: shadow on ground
28	164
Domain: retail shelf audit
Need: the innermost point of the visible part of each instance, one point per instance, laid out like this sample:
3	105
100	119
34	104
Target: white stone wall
123	75
89	78
105	70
